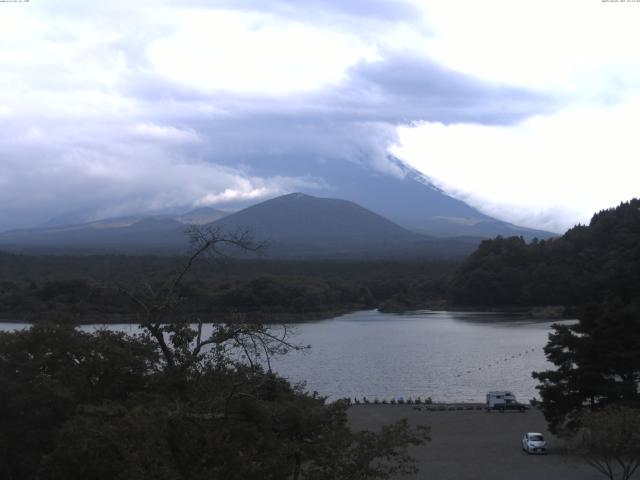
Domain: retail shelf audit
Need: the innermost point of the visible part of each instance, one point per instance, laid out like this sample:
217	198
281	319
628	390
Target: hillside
407	198
299	217
587	264
299	225
294	225
155	234
414	202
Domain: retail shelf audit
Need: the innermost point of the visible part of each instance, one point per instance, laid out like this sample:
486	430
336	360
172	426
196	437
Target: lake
448	356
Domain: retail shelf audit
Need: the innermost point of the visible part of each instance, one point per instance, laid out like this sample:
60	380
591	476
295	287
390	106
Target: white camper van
502	400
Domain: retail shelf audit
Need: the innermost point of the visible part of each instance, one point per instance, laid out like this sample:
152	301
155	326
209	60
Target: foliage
47	372
586	264
597	360
367	455
609	441
175	402
38	288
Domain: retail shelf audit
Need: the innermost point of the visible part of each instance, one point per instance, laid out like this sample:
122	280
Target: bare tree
181	339
609	441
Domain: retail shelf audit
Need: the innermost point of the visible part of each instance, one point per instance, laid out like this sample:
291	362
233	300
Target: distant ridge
200	216
300	225
417	204
153	234
297	216
397	192
294	225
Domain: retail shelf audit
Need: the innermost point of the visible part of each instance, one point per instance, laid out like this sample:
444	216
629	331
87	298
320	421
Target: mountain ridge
198	216
405	196
295	225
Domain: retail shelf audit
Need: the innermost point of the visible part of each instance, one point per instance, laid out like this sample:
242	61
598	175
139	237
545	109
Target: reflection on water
449	356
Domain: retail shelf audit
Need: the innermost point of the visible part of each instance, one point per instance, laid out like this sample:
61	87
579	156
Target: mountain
300	225
406	197
414	202
158	233
294	225
114	235
398	192
390	188
300	217
200	216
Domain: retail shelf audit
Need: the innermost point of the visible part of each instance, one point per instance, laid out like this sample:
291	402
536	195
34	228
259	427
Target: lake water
448	356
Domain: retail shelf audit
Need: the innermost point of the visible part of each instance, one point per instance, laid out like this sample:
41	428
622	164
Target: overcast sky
528	110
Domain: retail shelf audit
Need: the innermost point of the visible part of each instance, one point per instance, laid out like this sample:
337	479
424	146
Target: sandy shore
475	445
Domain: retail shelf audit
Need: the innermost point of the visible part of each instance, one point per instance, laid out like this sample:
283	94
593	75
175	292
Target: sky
526	110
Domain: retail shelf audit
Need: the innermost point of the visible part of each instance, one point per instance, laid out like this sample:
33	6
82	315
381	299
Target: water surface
448	356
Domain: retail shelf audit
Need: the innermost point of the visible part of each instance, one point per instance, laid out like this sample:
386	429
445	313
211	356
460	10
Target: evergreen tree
598	363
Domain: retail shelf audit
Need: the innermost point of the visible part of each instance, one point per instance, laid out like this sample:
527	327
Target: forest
589	263
93	288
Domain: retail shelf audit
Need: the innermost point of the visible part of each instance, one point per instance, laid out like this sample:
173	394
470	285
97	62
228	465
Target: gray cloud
406	88
139	142
356	120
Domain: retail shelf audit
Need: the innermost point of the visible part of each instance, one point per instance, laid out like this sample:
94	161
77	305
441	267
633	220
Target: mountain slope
417	204
407	197
300	225
133	233
200	216
401	194
294	225
302	217
142	234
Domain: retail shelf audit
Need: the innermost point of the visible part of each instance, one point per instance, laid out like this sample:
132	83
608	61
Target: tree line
176	402
587	264
86	289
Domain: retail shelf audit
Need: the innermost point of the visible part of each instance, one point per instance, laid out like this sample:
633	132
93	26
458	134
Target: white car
534	442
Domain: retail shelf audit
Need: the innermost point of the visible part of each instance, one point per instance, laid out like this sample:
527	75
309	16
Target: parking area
475	445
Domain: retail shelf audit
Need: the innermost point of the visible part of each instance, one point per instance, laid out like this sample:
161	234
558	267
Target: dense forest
587	264
94	288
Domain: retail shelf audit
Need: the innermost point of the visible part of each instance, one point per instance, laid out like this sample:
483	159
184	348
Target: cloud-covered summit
169	106
113	108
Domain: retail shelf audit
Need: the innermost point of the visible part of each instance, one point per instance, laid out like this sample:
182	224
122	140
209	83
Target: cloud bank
115	108
187	104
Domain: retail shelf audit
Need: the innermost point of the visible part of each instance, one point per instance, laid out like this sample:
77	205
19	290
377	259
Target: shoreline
226	317
555	312
552	312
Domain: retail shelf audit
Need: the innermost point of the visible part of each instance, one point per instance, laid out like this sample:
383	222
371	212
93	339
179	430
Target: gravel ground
475	445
